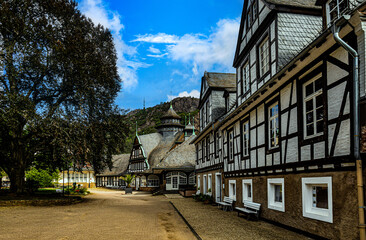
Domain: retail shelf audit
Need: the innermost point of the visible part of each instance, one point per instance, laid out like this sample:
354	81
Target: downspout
356	131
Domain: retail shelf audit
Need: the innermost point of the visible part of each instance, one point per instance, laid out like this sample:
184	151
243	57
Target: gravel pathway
211	223
104	215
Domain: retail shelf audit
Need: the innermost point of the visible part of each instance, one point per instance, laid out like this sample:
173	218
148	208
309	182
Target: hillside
148	118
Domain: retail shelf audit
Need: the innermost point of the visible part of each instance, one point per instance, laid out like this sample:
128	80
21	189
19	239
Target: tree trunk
17	171
17	180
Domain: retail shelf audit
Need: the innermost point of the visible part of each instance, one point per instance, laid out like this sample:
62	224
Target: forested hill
148	118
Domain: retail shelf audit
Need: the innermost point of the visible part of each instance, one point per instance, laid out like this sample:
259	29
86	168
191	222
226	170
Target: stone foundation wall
213	187
345	210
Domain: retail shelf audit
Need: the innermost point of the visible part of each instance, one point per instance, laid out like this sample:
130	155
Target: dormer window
335	9
252	13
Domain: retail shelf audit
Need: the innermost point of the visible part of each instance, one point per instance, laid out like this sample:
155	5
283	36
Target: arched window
192	179
182	178
153	181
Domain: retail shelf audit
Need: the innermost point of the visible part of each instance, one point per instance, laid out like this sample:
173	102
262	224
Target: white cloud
157	56
201	52
154	50
157	38
99	13
194	93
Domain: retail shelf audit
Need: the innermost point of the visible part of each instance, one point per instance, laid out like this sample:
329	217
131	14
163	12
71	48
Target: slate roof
221	80
149	142
171	114
294	3
295	32
120	165
182	156
159	153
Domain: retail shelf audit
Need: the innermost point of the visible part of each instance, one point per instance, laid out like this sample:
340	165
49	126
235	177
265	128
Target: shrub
36	178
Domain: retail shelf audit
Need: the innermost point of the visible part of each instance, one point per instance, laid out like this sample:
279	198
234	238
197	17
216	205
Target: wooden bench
227	203
250	208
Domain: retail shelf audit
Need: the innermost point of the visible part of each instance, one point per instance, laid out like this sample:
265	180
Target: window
203	150
317	198
209	186
207	111
217	143
249	17
274	126
335	9
245	78
313	107
231	146
276	194
198	183
232	189
203	117
192	179
197	154
248	190
254	8
264	57
246	138
204	184
182	178
208	148
153	181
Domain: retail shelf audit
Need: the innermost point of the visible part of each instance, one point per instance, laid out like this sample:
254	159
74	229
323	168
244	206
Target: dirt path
105	215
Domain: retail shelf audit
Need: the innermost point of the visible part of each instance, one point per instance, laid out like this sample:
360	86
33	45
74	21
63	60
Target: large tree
57	70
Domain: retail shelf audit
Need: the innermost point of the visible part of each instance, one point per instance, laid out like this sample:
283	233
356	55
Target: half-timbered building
218	96
164	160
289	143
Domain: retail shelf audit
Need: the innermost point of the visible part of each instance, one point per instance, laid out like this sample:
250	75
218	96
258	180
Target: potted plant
128	179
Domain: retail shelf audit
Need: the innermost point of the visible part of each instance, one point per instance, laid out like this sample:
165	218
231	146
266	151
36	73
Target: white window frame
245	77
276	119
198	183
245	184
231	145
271	183
232	194
308	210
306	99
246	132
264	56
209	184
203	150
204	184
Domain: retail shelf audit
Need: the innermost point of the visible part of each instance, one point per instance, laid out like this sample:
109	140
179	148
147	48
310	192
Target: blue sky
164	46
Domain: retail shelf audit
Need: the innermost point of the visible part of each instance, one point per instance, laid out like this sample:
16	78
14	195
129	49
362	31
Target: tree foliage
58	82
41	177
128	179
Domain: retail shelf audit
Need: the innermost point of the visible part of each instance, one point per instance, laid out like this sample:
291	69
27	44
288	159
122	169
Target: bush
36	178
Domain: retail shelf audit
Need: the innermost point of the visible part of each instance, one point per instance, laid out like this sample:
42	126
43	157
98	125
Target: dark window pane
320	126
309	129
278	193
309	117
319	101
318	84
309	105
249	189
320	113
309	89
321	197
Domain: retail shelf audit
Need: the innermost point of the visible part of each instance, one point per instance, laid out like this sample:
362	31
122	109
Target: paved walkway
211	223
105	215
